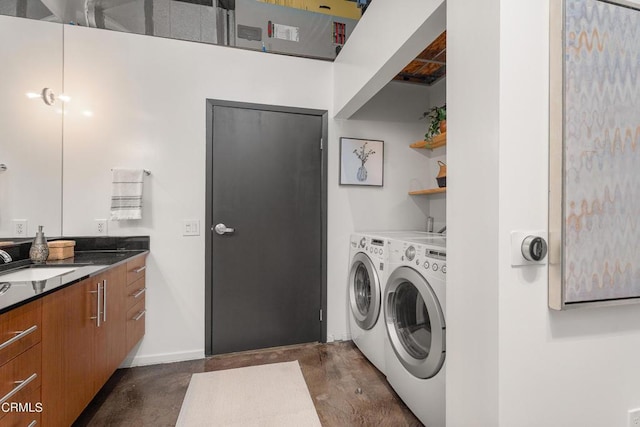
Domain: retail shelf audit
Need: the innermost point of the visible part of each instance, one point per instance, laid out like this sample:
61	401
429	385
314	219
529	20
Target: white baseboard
156	359
338	337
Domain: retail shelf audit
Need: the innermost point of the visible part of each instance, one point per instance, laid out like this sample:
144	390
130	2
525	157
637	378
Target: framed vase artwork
361	162
594	153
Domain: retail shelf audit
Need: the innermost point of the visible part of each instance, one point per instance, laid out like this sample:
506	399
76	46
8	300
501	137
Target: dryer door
364	291
415	322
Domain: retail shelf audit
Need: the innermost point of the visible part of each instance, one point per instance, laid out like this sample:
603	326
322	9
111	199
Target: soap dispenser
39	251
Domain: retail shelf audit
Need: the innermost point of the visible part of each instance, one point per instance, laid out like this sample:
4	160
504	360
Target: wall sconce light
48	96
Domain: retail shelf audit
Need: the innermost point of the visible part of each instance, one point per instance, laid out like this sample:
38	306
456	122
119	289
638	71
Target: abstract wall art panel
594	205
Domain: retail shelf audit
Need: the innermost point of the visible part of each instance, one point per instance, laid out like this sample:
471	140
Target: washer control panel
375	248
421	257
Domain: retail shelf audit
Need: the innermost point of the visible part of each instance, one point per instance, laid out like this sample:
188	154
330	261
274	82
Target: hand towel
126	200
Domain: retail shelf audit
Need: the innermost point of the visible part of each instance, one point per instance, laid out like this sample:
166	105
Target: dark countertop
88	263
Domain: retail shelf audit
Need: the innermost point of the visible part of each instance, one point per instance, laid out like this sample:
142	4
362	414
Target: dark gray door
266	268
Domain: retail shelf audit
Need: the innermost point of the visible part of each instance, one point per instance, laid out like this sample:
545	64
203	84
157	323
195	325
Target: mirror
31	129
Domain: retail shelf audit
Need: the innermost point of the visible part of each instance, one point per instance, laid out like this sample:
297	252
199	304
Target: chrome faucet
5	256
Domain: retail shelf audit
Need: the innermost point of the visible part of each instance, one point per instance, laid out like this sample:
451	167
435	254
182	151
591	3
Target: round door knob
223	229
534	248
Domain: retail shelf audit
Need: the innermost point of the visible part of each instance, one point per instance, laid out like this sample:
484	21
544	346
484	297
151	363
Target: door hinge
321	315
322	148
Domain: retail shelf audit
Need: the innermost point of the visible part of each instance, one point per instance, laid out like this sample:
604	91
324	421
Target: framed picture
594	153
361	162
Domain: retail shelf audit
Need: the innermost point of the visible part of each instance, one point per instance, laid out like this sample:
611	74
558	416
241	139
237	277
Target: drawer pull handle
97	317
139	315
19	336
140	292
20	386
33	423
140	270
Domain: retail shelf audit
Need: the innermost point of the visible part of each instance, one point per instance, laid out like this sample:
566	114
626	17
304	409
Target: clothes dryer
368	255
367	276
414	306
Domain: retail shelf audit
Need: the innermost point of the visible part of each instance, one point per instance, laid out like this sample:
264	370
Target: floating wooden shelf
437	141
428	192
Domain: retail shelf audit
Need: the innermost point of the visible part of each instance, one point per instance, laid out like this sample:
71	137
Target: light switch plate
191	227
517	237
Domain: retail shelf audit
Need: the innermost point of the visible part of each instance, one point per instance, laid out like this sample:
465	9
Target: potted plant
437	117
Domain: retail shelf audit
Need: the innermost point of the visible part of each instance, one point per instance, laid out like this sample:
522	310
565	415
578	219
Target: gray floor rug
264	395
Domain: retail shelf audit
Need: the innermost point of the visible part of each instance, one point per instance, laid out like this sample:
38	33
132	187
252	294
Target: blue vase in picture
362	173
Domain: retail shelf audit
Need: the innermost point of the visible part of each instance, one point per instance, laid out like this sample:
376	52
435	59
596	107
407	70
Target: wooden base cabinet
135	303
85	340
20	365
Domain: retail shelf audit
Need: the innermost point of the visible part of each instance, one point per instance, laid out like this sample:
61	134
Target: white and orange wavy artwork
601	152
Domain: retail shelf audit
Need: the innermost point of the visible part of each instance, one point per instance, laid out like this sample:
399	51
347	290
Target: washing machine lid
415	322
364	291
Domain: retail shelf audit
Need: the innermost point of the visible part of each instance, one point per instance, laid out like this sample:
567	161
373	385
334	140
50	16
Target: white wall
148	101
511	360
574	368
472	212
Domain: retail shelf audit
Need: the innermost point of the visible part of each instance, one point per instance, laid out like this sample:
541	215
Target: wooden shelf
437	141
428	192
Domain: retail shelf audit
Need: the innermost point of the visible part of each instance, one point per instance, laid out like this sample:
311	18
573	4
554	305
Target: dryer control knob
444	269
410	253
426	264
434	266
363	241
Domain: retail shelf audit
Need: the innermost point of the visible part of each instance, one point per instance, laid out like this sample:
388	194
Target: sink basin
35	273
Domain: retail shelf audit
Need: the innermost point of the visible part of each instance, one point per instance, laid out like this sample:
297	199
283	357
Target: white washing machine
414	319
368	255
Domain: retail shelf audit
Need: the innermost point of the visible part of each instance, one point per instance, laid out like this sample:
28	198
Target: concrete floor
335	374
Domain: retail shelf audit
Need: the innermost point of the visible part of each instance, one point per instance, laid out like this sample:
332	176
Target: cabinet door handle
104	301
19	336
140	292
139	315
99	303
20	386
32	423
140	270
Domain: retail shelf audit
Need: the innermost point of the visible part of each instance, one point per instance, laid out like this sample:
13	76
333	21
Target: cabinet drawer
21	375
135	292
136	269
136	316
25	410
20	329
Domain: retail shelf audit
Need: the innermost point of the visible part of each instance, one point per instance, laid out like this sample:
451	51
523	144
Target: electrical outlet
20	228
101	226
634	417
